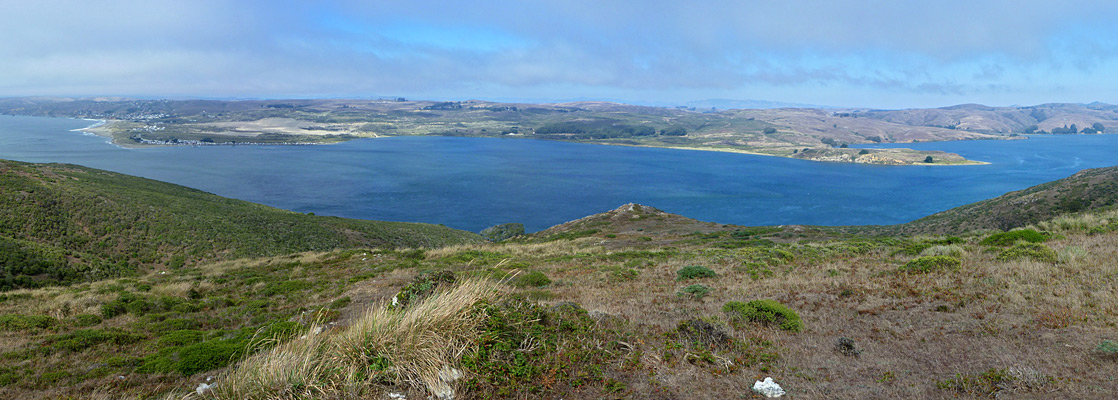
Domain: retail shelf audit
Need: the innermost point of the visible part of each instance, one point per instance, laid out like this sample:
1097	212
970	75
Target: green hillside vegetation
1091	189
631	303
65	224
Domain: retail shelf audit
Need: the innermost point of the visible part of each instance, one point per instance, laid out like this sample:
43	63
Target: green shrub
931	263
17	322
340	303
83	339
208	355
1107	348
215	353
696	291
765	312
422	286
531	279
693	272
1035	251
622	274
83	320
1011	237
988	383
181	338
286	287
502	232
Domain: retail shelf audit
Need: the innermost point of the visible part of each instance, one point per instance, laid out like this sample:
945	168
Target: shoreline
100	128
739	151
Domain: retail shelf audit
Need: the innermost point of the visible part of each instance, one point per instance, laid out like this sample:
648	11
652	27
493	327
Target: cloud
936	51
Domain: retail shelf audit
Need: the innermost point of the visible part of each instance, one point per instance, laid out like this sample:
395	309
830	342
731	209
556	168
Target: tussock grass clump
1011	237
952	250
694	272
931	263
766	312
410	345
1034	251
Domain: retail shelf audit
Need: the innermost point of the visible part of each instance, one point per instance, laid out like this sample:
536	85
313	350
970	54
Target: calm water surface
473	183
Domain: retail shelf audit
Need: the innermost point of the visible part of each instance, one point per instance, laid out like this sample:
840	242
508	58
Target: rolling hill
66	223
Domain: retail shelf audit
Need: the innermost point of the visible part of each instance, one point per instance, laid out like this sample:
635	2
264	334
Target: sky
872	53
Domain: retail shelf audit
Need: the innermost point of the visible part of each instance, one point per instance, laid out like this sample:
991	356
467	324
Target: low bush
694	272
531	279
1107	349
931	263
84	320
83	339
1034	251
181	338
1011	237
17	322
695	291
502	232
765	312
423	285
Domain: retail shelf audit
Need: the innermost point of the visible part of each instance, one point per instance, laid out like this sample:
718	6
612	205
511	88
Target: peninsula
804	133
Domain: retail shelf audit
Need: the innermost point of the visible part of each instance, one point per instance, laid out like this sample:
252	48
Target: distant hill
631	219
1050	118
63	223
1089	189
727	104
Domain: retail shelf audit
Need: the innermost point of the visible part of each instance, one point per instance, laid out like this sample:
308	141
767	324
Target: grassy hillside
65	223
631	303
1089	189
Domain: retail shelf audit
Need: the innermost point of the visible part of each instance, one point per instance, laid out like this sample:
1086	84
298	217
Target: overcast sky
886	54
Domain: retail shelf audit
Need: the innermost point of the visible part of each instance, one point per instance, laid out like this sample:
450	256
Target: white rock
202	388
396	396
768	388
443	389
394	301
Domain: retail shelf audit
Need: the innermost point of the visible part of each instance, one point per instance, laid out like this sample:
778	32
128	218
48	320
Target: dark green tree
928	160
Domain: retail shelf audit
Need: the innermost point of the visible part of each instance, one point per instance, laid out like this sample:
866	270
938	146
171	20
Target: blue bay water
473	183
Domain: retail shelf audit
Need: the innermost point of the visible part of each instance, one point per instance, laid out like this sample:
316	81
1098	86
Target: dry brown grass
407	347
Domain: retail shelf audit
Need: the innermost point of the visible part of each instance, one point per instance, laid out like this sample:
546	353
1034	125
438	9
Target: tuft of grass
952	250
694	272
931	263
1034	251
405	346
766	312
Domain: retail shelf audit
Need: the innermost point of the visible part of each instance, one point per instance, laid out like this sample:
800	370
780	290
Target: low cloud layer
847	53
